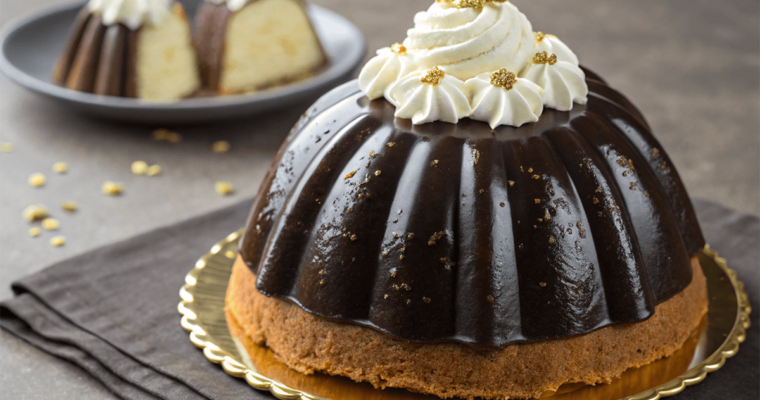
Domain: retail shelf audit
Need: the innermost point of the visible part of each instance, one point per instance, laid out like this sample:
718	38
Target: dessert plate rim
224	350
335	32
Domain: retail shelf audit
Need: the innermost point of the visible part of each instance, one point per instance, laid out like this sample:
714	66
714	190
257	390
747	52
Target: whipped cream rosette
470	40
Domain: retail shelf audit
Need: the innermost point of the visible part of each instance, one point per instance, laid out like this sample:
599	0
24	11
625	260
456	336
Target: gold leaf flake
349	175
399	49
544	58
433	76
504	79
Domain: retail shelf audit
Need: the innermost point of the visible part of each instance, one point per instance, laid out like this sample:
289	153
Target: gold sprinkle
601	214
153	170
322	282
223	188
542	284
401	257
371	154
349	175
385	253
433	76
521	169
489	298
538	201
655	152
551	240
166	135
391	144
633	186
511	183
50	224
229	254
426	300
664	166
410	236
502	205
112	188
399	49
539	36
544	58
599	189
385	297
621	161
540	220
536	177
36	180
58	241
595	200
408	301
434	163
482	191
546	216
353	237
377	173
220	146
139	167
475	156
395	234
443	260
434	238
504	79
403	249
646	193
6	148
530	170
35	212
34	232
60	167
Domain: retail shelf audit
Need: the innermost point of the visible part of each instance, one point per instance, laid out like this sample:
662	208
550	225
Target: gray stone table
692	66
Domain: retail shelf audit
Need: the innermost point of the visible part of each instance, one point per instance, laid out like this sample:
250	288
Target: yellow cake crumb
139	167
223	188
58	241
220	146
230	254
6	148
153	170
35	212
34	232
60	167
36	180
112	188
166	135
69	206
50	224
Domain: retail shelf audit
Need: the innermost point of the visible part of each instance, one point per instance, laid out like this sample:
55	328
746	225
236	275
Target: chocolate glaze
456	232
97	58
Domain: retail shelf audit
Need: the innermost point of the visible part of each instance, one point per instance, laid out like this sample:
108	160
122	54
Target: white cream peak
428	96
232	5
469	38
132	13
502	98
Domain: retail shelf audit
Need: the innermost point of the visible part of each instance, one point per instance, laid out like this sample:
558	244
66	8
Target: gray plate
32	44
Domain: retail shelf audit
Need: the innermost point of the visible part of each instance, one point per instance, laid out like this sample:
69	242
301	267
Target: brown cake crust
308	343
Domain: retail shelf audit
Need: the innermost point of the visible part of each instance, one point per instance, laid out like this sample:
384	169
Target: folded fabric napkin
113	311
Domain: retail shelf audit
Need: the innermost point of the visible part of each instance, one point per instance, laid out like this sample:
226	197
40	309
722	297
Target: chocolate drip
456	232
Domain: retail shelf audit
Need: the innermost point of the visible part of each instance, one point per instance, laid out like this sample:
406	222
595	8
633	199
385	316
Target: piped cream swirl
469	39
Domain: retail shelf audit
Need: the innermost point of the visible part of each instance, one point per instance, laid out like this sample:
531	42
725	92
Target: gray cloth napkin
113	311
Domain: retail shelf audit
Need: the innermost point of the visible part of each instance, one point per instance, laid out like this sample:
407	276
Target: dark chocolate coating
457	232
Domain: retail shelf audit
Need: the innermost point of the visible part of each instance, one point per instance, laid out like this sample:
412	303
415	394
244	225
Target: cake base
308	343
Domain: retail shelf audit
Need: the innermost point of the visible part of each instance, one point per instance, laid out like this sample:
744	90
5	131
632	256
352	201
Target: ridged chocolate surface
444	232
98	59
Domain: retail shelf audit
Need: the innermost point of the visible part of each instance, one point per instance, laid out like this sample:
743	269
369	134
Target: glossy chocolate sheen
97	58
457	232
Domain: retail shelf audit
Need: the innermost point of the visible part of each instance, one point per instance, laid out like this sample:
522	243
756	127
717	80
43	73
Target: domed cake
130	48
477	216
247	45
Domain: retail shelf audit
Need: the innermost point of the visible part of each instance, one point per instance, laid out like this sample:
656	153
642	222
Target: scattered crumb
60	167
410	236
58	241
434	238
166	135
489	298
542	284
377	173
426	300
139	167
391	144
153	170
536	176
530	170
538	201
112	188
551	240
350	175
385	297
34	232
434	163
511	183
50	224
35	213
221	146
225	188
353	237
6	148
36	180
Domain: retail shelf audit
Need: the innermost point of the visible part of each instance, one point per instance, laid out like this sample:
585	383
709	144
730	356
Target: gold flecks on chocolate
664	166
403	249
50	224
601	214
322	282
401	257
111	188
581	231
60	167
350	175
502	204
633	186
36	180
630	165
464	195
353	259
434	238
481	191
504	79
621	161
400	211
434	163
540	220
433	76
224	188
646	193
538	201
536	176
511	183
595	200
35	231
410	236
6	148
489	298
391	144
353	237
393	274
378	172
542	284
399	49
58	241
153	170
475	157
35	212
371	154
350	209
599	189
385	254
408	301
426	300
385	296
655	152
551	240
230	254
139	167
395	234
220	146
443	260
166	135
530	170
546	216
521	246
544	58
